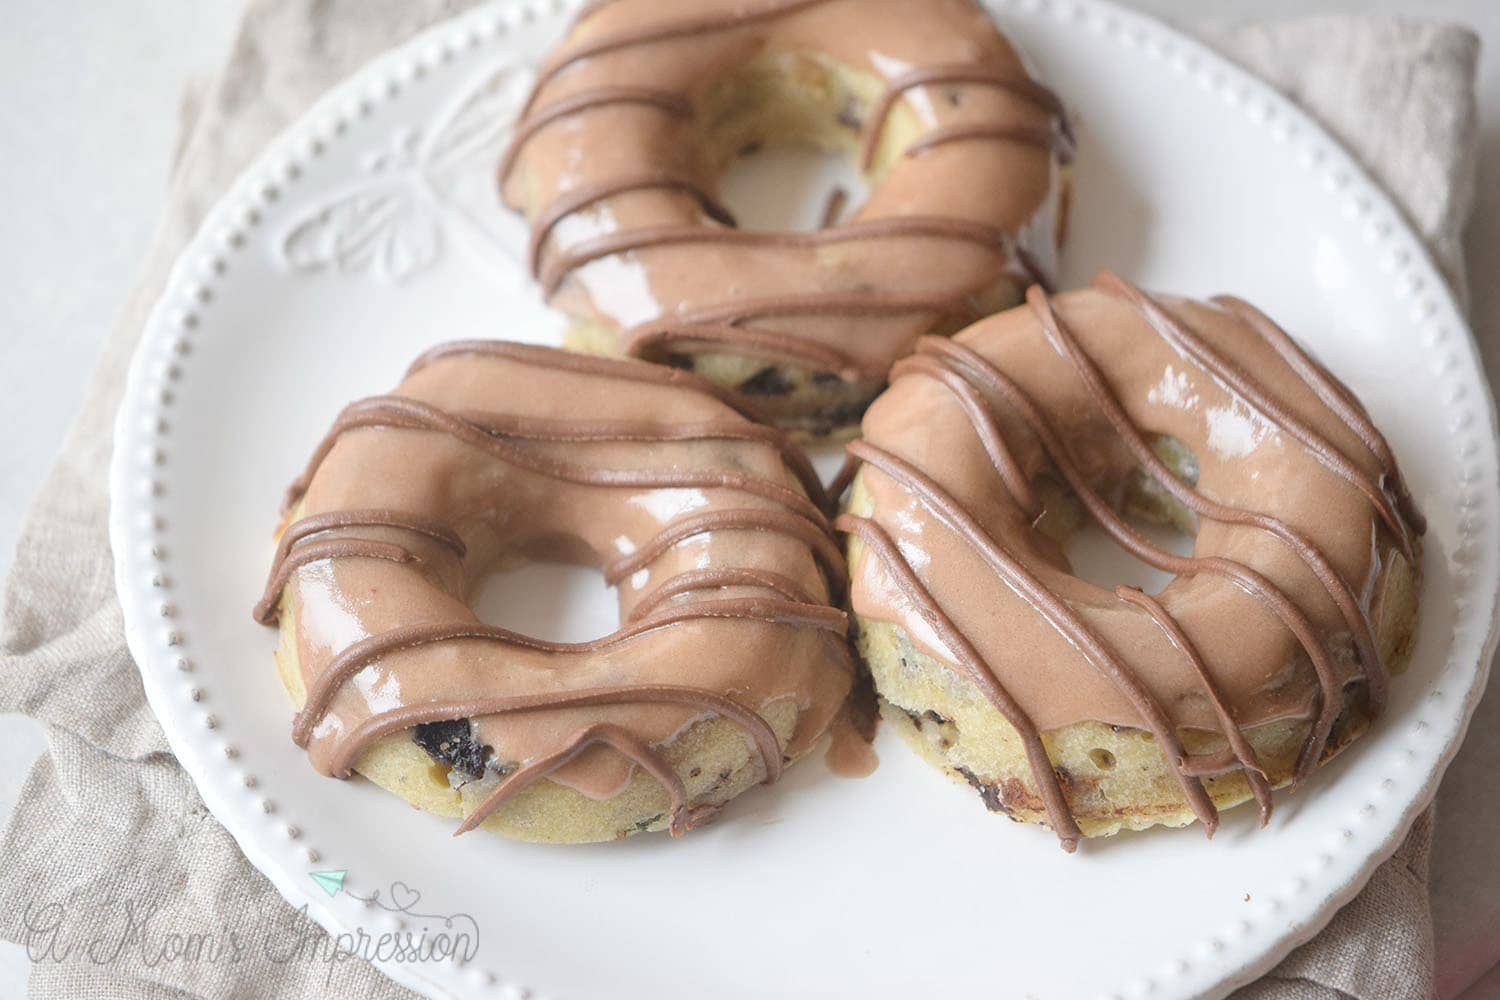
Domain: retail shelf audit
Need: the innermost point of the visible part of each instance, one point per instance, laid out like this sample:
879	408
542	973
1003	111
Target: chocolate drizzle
922	602
1049	606
802	528
1026	135
665	101
1337	397
591	81
430	539
410	716
591	195
396	411
286	562
489	431
1243	753
988	238
1245	386
991	399
1023	87
650	34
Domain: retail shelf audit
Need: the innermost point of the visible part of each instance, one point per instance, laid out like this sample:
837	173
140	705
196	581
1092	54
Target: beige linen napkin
110	851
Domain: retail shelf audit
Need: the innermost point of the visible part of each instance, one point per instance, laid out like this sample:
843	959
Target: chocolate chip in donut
452	742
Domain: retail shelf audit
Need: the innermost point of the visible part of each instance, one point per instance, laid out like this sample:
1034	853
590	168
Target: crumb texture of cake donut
616	157
730	660
1095	709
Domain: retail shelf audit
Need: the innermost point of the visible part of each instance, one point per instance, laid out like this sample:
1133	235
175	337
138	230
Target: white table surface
88	106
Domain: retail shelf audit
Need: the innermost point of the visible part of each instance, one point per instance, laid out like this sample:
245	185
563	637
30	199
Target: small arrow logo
331	882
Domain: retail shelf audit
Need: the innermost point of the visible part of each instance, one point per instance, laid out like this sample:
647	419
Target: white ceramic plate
371	230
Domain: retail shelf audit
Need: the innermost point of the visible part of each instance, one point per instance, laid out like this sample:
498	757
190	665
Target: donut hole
552	601
782	133
1099	559
788	186
1147	499
1144	504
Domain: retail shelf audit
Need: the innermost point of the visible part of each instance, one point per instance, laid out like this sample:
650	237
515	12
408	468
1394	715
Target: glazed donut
729	660
1094	709
616	156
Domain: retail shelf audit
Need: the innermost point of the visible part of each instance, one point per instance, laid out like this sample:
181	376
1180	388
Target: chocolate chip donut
1095	709
616	158
729	661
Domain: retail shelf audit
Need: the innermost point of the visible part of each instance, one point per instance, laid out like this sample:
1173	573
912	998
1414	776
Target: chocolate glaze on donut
709	524
603	161
1269	618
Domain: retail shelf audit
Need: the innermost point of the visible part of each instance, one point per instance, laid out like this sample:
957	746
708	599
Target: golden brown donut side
616	157
715	767
729	660
1097	708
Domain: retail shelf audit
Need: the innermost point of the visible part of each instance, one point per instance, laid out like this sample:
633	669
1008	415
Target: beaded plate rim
140	538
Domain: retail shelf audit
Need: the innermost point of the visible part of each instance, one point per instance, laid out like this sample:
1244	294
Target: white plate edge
483	23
